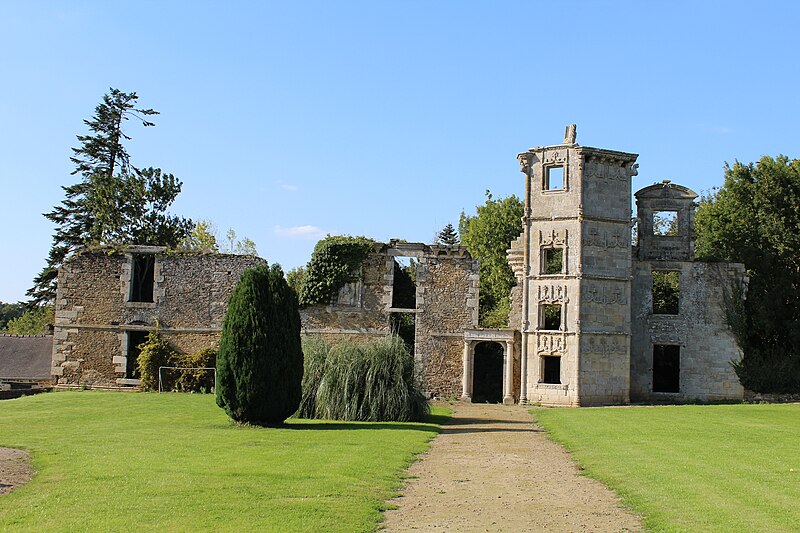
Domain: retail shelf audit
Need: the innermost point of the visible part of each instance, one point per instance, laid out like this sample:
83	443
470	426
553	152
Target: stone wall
706	343
94	315
447	285
446	303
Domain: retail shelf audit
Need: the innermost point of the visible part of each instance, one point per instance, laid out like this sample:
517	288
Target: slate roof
26	357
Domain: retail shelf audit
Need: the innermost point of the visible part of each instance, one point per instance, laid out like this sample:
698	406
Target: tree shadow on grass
323	425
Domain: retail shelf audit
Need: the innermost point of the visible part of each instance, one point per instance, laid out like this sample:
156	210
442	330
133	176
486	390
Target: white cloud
300	232
289	187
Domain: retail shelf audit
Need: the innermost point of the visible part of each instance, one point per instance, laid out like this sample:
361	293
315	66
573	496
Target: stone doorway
487	373
488	365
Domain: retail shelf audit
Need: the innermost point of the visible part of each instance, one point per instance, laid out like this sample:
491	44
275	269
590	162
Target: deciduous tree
487	235
754	218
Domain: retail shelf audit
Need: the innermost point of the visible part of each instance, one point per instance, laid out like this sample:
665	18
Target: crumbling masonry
595	320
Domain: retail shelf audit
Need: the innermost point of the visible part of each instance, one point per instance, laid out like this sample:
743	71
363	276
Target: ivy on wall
334	262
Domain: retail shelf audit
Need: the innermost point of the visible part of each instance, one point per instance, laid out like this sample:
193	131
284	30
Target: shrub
371	381
260	358
157	352
197	380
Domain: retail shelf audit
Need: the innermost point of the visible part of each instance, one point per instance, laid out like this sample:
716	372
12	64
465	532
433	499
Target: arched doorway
487	373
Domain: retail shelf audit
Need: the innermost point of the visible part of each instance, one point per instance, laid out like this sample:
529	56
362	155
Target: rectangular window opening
666	292
135	340
554	178
404	286
551	317
551	369
665	223
666	368
404	326
143	278
552	260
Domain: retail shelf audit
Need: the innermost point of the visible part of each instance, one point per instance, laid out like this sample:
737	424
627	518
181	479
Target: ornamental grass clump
371	381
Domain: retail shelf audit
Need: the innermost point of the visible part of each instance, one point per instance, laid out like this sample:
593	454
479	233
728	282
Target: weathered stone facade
97	312
446	304
584	298
697	332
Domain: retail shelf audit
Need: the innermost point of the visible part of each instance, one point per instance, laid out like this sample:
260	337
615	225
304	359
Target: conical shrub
260	358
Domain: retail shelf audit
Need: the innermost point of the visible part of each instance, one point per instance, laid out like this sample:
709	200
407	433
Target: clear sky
290	120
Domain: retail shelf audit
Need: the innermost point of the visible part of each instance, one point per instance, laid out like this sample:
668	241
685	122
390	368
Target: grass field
173	462
692	468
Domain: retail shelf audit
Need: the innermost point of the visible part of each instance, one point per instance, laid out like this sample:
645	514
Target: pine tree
447	236
260	358
115	202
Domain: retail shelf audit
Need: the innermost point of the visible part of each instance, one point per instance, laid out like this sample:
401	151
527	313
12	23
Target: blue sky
290	120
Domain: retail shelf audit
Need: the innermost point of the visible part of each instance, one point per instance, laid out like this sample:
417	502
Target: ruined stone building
594	319
107	302
443	303
602	321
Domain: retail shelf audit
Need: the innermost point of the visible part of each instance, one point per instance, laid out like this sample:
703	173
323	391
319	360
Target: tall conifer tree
114	202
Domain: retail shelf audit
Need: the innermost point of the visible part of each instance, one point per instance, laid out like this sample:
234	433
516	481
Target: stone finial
570	134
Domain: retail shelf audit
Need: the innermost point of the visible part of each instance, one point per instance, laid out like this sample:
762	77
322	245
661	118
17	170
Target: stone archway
473	338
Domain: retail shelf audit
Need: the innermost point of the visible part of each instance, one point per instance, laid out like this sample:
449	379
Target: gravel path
15	469
492	469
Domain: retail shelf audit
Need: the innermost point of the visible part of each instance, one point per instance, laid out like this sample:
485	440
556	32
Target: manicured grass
173	462
692	468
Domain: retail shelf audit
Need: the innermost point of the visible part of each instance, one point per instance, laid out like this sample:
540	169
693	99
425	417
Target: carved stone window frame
546	168
542	365
543	259
542	318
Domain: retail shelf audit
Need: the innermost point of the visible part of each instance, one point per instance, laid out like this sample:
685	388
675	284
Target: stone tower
573	267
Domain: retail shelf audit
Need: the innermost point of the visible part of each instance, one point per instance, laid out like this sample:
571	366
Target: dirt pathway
15	468
491	469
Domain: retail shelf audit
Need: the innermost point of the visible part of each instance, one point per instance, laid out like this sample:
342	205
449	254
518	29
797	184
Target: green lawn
173	462
692	468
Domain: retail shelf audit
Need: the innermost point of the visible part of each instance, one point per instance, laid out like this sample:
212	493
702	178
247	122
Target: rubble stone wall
94	316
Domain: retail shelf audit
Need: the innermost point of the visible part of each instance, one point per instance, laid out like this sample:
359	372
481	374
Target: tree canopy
754	218
114	202
487	235
335	261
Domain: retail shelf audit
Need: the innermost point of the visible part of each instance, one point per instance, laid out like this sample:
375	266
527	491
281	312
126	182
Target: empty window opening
404	326
666	292
551	369
666	368
487	373
551	317
404	286
142	278
135	341
665	223
553	178
552	260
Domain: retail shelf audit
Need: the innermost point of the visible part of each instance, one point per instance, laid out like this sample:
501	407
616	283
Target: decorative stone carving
553	294
350	295
606	345
556	157
609	168
551	344
604	294
594	237
553	238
